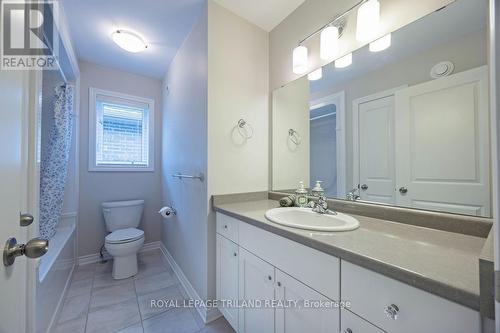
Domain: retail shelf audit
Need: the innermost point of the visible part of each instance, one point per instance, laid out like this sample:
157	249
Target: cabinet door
227	279
354	324
256	286
304	309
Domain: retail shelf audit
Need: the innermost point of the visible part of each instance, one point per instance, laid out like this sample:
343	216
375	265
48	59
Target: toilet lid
124	235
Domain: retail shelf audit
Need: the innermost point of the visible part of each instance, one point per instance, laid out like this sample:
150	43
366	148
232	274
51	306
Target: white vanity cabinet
274	269
257	265
227	278
397	307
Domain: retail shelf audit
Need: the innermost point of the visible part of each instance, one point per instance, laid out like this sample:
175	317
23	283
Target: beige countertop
440	262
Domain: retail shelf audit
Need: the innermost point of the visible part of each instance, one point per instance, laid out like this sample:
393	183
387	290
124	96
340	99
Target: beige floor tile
218	326
154	282
172	321
80	287
74	308
148	310
136	328
112	294
114	317
72	326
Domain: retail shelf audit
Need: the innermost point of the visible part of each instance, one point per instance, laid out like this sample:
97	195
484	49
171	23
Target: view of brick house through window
123	135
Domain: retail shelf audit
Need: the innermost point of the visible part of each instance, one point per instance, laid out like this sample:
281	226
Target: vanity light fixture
129	41
329	43
300	59
315	75
344	61
368	20
381	43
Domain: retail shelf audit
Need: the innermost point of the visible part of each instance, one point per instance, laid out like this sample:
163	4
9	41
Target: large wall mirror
405	126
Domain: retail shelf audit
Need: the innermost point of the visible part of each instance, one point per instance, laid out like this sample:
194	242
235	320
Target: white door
306	315
227	278
442	144
14	130
256	284
374	147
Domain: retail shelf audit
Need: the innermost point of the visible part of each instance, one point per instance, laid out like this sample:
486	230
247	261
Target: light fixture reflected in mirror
344	61
381	43
329	43
300	59
368	20
315	75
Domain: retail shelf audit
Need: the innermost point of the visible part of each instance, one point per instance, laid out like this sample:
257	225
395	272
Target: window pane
122	135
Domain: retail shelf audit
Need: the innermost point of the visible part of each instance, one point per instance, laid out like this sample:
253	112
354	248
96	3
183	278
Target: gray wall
96	187
184	150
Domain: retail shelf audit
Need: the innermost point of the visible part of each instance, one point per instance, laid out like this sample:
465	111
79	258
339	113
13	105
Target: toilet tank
122	214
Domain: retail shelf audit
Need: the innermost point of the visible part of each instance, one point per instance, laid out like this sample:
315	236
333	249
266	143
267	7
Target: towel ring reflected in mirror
245	129
294	136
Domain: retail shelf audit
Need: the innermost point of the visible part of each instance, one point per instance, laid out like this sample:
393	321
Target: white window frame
93	93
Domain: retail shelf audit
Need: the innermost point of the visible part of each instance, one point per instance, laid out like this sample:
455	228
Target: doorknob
403	190
364	187
26	219
35	248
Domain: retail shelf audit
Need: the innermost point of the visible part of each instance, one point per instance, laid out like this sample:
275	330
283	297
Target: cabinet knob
235	254
225	226
269	277
347	330
403	190
279	284
391	311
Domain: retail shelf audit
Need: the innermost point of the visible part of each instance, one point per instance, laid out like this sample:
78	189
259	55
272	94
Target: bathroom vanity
387	276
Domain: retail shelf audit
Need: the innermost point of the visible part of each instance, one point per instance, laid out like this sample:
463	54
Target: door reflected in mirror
407	125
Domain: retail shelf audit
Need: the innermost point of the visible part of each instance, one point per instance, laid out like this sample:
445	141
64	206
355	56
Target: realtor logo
29	35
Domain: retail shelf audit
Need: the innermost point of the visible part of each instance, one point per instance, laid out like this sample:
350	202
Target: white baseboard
94	258
205	315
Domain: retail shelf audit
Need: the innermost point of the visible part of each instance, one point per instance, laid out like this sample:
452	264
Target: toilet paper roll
167	212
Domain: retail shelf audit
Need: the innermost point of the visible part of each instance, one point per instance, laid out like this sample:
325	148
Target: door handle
35	248
364	187
25	220
403	190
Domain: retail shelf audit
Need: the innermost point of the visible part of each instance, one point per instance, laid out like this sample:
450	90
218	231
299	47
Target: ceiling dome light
129	41
300	60
368	20
381	43
344	61
329	43
315	75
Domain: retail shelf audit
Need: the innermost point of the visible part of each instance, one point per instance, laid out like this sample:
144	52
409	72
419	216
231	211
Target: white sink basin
305	218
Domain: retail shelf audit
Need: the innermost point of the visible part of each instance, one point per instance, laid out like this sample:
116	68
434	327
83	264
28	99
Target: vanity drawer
351	323
227	227
373	296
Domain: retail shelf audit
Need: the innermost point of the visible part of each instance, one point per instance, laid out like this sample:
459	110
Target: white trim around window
96	95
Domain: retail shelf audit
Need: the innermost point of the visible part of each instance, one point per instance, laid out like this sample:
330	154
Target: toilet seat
126	235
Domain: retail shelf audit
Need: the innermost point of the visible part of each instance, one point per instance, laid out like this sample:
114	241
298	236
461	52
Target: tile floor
95	303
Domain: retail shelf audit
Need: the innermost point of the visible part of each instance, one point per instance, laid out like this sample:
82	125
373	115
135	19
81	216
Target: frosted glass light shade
368	20
329	43
344	61
129	41
315	75
300	60
381	44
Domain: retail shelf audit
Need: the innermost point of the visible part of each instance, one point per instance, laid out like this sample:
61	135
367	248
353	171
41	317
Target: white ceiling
164	24
266	14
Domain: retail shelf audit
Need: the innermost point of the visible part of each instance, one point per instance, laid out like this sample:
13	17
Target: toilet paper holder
167	212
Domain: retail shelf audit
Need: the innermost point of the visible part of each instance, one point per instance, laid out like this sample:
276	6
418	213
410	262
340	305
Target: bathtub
54	273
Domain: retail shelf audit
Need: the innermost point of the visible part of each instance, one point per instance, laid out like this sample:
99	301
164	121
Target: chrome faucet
352	196
321	207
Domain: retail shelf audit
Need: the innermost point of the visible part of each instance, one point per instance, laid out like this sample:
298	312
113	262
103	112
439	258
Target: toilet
125	239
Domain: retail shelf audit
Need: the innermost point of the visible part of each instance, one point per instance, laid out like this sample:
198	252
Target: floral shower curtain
54	164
